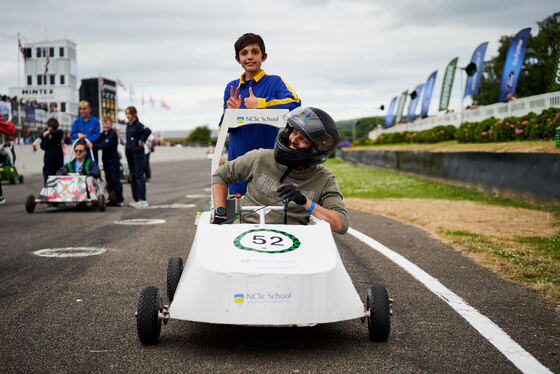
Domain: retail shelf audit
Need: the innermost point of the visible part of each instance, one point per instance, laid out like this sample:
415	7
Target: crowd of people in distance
86	138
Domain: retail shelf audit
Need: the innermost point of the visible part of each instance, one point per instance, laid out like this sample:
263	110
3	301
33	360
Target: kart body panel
72	188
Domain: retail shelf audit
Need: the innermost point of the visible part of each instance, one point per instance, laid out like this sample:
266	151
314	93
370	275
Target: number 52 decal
266	241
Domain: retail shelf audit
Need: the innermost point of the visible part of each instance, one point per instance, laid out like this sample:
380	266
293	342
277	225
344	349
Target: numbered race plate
267	241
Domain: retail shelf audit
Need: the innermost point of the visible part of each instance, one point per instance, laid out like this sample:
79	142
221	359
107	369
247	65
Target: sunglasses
79	151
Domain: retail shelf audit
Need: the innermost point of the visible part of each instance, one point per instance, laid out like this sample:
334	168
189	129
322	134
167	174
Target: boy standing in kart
289	172
254	90
82	165
108	142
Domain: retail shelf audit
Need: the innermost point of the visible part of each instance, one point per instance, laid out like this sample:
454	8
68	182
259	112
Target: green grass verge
358	181
532	261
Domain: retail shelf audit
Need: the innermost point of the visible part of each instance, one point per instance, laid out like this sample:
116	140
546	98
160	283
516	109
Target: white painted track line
522	359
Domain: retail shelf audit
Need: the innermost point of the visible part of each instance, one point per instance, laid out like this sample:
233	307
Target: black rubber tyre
102	203
147	322
30	204
12	180
21	179
174	271
379	323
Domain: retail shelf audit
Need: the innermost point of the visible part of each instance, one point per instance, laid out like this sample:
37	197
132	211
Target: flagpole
18	71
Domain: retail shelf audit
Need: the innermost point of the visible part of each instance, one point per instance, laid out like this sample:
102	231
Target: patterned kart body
73	189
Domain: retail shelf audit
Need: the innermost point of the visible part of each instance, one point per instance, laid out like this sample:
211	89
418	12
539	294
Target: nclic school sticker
267	241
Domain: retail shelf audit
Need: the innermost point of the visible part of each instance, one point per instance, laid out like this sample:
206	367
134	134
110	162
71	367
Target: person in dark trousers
136	136
108	142
51	143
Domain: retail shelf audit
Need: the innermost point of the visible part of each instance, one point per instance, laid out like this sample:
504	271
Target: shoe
133	204
2	200
120	204
142	204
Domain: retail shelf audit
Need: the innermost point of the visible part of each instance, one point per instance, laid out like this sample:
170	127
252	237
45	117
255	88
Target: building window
51	51
29	80
27	52
52	79
38	50
63	107
61	52
62	79
39	80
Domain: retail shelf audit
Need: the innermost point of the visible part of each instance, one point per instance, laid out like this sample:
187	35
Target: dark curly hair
248	39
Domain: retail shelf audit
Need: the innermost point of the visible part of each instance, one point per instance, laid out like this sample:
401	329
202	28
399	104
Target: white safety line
522	359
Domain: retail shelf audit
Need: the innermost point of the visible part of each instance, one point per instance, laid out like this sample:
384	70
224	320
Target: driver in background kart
291	171
81	164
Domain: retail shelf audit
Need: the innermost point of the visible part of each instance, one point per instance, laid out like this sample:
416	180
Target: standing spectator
51	143
85	127
148	149
108	143
7	128
136	136
254	90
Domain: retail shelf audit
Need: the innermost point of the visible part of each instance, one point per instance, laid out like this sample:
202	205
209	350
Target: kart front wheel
379	324
30	204
174	270
148	322
21	179
101	203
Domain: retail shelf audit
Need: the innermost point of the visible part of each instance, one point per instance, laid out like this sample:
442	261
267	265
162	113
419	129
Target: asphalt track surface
76	315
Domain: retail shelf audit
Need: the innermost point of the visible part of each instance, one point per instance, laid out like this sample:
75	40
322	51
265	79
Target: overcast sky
347	57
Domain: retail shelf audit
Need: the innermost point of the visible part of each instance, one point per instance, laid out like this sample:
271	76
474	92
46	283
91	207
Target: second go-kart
8	171
260	274
71	190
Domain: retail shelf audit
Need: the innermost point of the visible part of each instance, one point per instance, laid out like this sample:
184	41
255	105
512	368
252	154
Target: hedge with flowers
531	126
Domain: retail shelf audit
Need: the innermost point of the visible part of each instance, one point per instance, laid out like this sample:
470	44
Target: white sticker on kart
267	241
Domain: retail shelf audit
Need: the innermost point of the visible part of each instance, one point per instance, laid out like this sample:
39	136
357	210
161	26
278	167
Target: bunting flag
400	106
411	113
512	65
46	60
447	84
390	113
101	83
473	82
555	81
121	84
164	105
427	97
21	49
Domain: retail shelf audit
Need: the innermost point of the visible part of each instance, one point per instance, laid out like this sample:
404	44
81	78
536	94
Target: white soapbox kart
260	275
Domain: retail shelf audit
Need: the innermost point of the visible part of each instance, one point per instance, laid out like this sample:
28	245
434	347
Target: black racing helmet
317	126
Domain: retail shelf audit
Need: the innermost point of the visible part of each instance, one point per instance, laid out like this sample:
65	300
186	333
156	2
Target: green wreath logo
266	241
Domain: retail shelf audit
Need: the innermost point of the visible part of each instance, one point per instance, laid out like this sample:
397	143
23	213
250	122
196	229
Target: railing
518	107
40	117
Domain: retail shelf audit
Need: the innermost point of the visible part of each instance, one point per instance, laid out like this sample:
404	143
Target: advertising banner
390	113
428	90
473	82
400	106
447	84
555	81
512	66
410	114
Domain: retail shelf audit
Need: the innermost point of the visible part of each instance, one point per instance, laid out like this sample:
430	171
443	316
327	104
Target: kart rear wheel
148	322
174	271
30	204
12	180
379	324
101	203
21	179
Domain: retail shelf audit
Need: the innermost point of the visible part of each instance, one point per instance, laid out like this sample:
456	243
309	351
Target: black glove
219	220
291	193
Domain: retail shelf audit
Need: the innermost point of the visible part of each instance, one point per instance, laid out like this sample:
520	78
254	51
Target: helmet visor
307	122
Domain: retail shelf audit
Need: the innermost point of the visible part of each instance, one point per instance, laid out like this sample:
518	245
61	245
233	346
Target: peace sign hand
252	101
234	101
